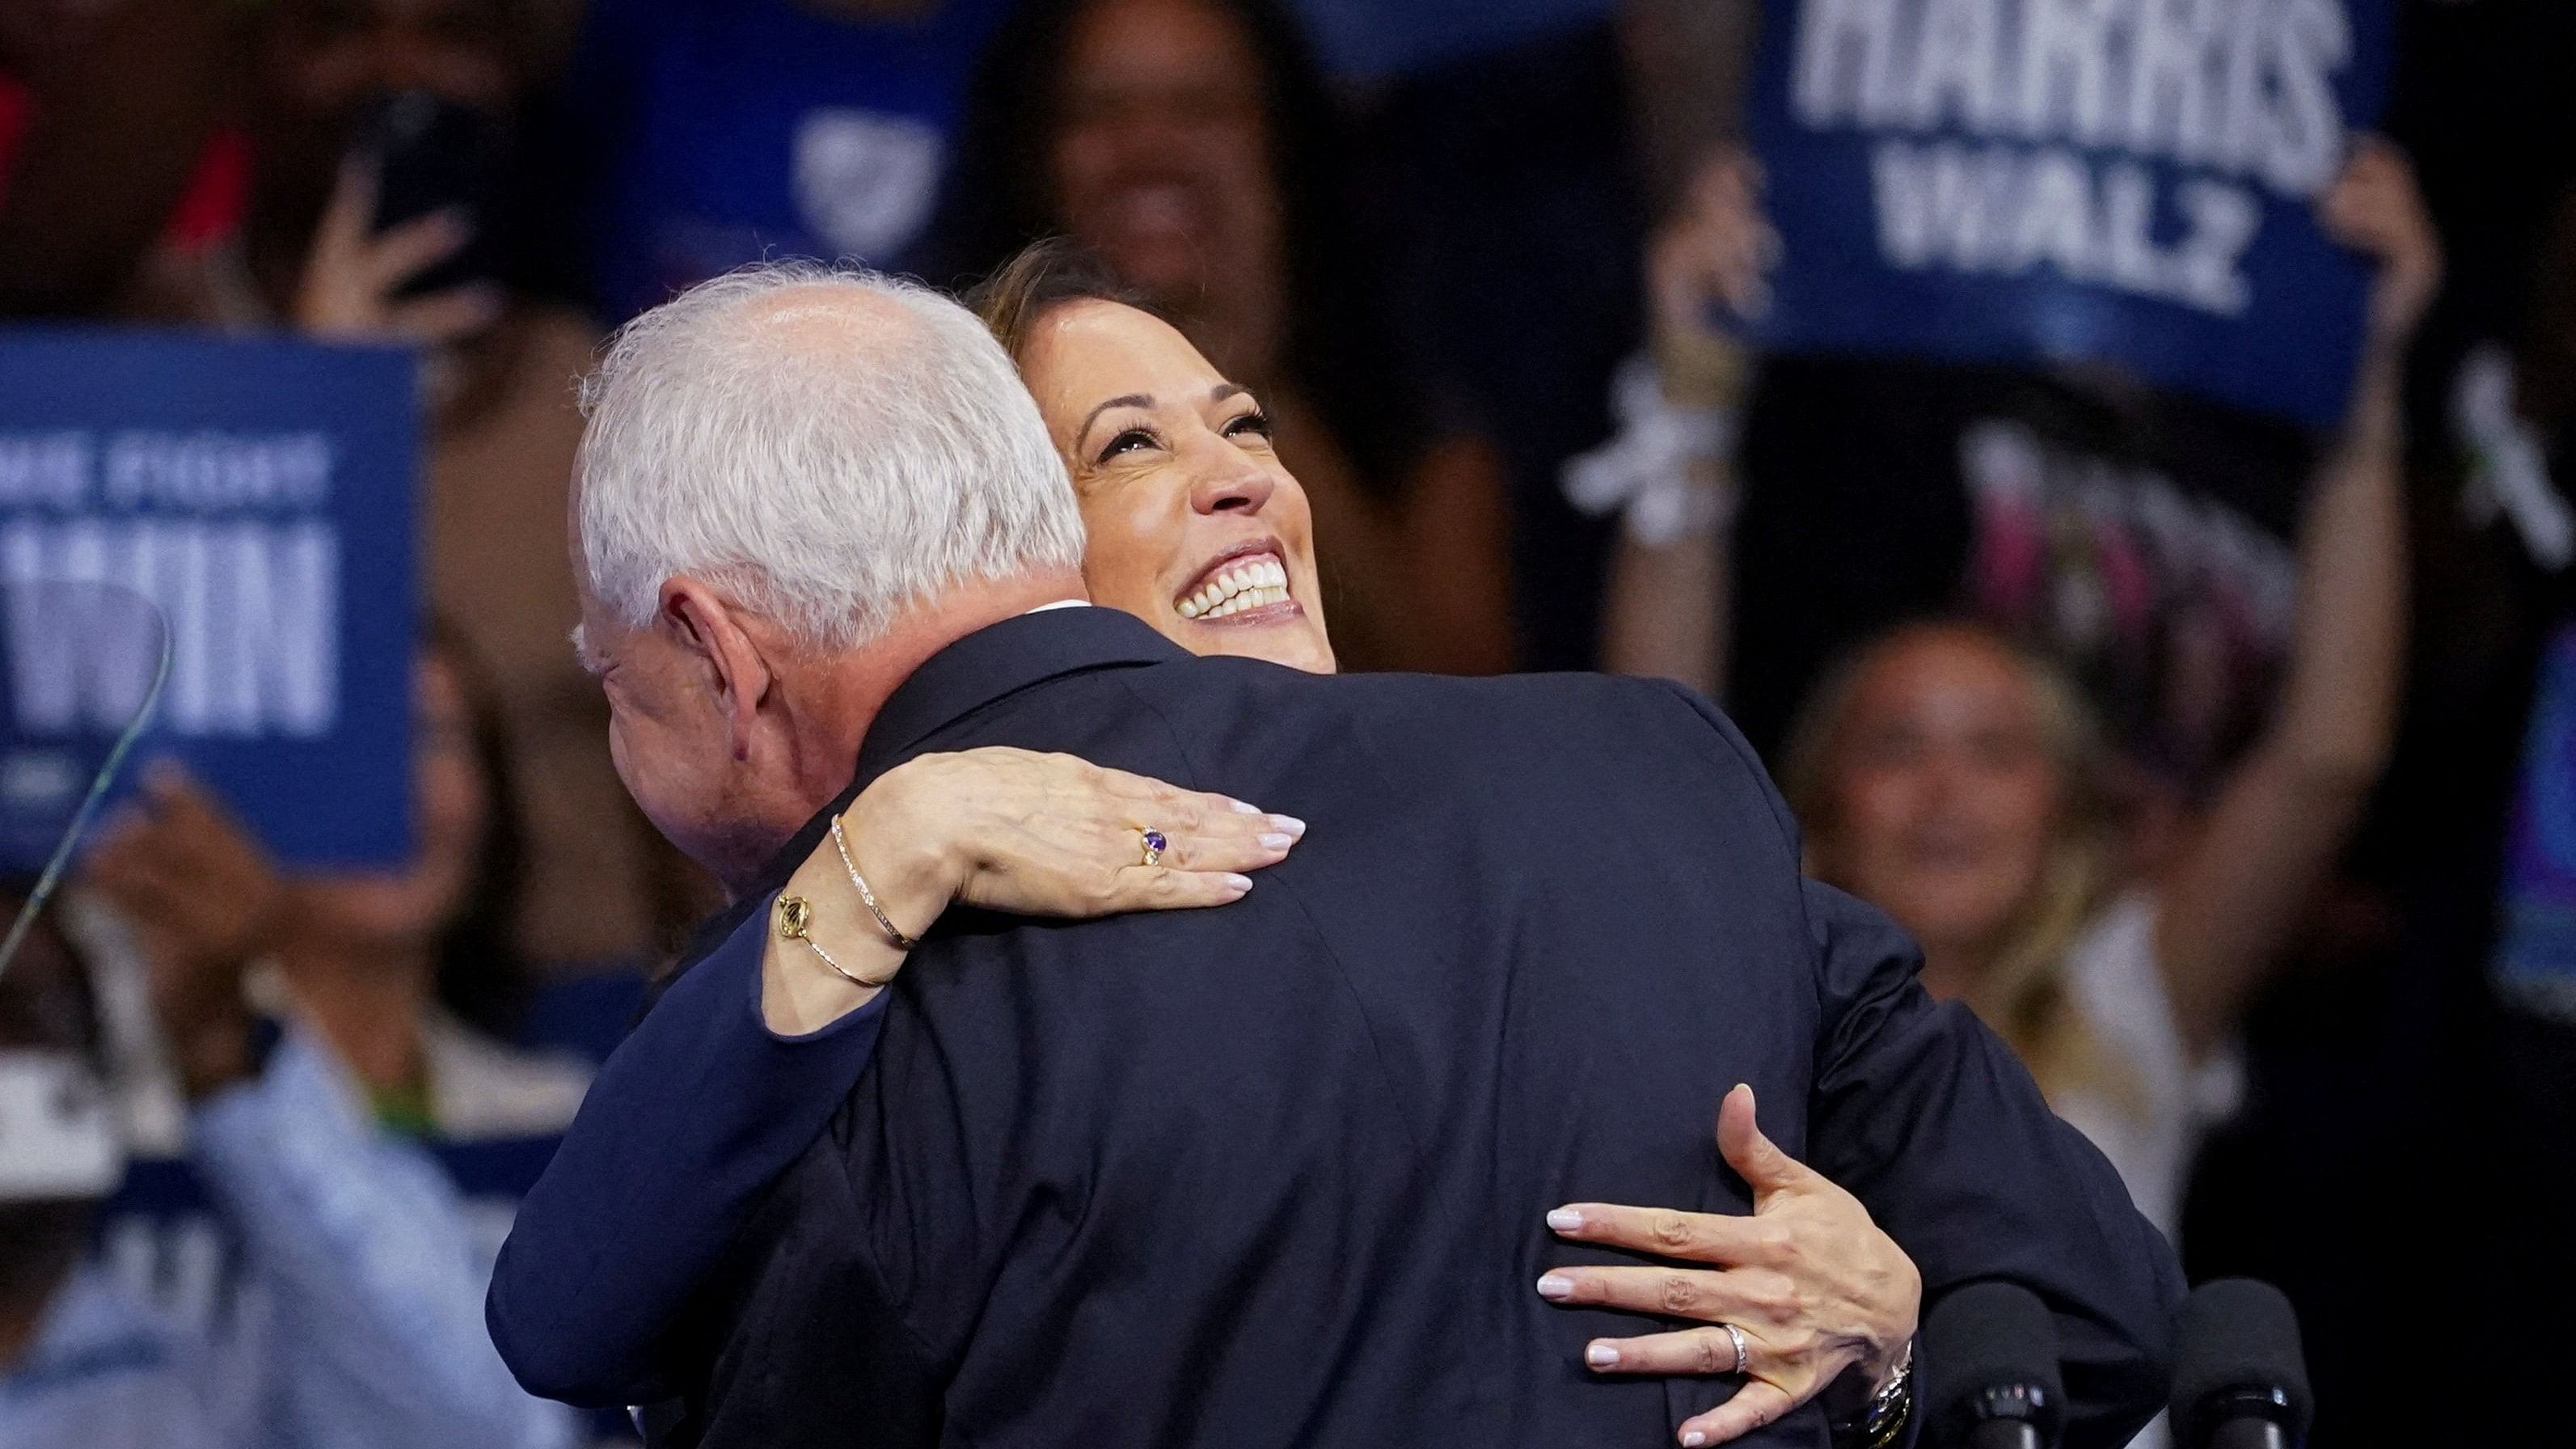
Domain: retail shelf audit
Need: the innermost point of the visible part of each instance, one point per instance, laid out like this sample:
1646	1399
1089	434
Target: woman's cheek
1121	558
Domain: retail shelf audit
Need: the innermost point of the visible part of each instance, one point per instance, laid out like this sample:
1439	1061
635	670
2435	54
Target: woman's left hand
1814	1286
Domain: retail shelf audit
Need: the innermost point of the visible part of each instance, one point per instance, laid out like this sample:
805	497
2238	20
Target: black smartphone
433	154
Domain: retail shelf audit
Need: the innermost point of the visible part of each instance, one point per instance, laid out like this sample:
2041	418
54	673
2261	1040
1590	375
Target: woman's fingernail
1556	1287
1693	1439
1289	824
1601	1355
1275	840
1241	883
1565	1220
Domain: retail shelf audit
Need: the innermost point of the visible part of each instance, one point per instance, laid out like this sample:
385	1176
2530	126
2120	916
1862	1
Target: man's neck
855	686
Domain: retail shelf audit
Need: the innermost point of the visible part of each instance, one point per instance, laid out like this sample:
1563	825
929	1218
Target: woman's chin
1282	633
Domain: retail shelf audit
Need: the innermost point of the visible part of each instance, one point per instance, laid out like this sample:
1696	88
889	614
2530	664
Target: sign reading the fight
2130	181
260	493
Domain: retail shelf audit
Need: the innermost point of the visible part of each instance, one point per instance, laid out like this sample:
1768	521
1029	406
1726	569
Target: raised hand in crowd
1824	1299
1714	252
2374	208
1670	470
205	902
352	288
2290	803
1006	830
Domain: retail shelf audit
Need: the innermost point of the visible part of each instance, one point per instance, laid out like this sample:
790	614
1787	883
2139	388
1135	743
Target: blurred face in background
322	63
1193	525
451	808
1942	788
1161	158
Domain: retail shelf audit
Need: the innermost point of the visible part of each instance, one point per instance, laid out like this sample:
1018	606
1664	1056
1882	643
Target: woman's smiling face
1194	526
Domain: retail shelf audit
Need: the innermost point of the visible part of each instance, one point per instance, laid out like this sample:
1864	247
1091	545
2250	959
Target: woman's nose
1238	487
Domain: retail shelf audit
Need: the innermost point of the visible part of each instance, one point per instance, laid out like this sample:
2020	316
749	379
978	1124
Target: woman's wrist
913	866
817	971
1877	1419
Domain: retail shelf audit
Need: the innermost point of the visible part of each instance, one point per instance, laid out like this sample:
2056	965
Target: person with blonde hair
1961	784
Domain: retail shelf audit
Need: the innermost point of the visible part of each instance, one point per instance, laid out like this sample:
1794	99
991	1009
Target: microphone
1990	1370
2242	1382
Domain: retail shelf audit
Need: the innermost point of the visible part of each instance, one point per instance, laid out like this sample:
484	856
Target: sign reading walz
261	493
2129	181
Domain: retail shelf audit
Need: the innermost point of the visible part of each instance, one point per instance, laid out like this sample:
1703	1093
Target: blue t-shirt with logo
728	131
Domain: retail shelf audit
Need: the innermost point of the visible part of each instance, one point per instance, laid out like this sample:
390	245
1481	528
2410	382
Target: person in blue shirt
716	132
354	1322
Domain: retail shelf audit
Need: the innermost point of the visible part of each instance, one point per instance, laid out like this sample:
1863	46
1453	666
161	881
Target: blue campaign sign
261	492
2129	181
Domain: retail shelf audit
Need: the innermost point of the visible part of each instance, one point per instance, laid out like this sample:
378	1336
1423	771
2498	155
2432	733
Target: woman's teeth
1247	585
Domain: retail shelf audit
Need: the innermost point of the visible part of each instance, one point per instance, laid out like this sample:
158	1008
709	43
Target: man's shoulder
1607	704
1437	722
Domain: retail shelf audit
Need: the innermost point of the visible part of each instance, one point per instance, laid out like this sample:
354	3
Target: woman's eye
1253	424
1125	442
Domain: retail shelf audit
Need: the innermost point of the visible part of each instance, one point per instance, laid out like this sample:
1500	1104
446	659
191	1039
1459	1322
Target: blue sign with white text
2125	181
261	493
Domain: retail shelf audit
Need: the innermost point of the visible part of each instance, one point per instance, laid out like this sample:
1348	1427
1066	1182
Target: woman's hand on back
1817	1290
1007	830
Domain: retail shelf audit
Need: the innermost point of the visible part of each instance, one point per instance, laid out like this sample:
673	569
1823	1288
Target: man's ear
706	622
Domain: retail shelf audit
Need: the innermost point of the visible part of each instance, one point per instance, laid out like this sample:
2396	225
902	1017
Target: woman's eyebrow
1129	400
1224	390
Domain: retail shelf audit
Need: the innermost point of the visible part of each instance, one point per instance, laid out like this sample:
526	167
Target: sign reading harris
260	493
2130	181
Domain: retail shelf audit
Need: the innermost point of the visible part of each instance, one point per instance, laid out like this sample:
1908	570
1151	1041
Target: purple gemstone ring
1154	843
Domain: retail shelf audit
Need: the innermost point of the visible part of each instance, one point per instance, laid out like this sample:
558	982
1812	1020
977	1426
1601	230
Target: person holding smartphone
381	207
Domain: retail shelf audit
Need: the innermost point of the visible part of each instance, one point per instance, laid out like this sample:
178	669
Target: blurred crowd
2204	754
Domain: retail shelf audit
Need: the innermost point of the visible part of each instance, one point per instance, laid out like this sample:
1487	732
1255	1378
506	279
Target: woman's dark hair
1338	353
1044	275
481	976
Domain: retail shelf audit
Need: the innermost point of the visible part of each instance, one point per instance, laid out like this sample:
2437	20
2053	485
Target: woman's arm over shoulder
740	1065
689	1119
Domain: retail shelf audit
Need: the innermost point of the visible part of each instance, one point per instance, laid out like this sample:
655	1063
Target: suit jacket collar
995	661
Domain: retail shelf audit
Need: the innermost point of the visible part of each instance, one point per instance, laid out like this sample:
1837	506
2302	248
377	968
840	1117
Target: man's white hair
830	463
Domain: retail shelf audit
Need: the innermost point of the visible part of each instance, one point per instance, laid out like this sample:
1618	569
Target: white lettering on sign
205	472
254	610
2240	90
143	470
2004	210
44	470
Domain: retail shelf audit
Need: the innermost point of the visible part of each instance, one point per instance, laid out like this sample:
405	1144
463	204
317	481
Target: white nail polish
1239	882
1274	840
1553	1286
1600	1355
1565	1220
1693	1439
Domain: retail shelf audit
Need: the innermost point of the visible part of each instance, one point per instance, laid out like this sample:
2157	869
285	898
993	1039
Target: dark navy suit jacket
1274	1173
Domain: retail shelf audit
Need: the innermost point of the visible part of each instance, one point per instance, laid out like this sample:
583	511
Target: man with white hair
1273	1172
796	486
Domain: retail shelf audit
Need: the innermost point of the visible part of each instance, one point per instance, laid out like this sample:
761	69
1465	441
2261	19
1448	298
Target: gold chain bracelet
796	922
